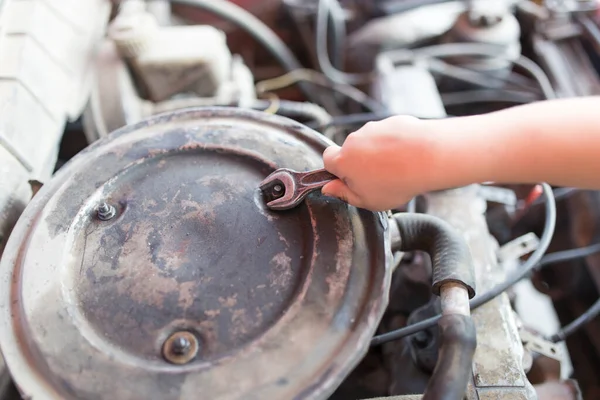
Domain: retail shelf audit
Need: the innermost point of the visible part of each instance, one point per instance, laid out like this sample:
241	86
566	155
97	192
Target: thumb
338	189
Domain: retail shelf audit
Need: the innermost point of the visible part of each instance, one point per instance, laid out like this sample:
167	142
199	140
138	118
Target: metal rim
20	352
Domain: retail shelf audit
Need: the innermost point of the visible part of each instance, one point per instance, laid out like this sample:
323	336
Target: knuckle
370	126
403	118
351	141
406	120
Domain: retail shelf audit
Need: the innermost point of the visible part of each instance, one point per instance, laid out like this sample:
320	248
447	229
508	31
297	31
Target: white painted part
184	58
407	89
536	311
511	252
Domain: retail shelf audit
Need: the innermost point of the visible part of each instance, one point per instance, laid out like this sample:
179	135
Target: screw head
105	211
180	348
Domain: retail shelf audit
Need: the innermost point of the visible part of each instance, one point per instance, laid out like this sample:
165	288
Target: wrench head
279	190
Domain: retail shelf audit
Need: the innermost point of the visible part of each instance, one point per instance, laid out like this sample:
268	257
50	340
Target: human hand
384	164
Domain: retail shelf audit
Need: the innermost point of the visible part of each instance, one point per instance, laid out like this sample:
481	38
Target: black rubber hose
452	371
450	255
255	28
500	288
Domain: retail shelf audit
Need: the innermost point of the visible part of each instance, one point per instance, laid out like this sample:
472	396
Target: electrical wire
562	193
361	118
256	28
398	7
559	194
353	119
590	27
337	18
478	78
320	80
562	7
475	49
323	12
568	255
273	105
580	321
487	95
522	272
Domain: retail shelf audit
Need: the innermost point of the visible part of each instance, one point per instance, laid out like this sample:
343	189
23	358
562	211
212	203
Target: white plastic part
133	29
180	59
407	89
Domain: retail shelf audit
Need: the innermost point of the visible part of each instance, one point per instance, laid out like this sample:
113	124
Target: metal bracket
537	344
517	248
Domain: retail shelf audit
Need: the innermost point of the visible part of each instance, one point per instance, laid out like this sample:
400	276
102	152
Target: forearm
556	142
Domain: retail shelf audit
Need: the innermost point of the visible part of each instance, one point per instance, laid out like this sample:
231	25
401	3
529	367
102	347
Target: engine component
485	24
172	59
399	31
114	101
497	365
193	283
558	43
45	53
424	101
454	281
167	61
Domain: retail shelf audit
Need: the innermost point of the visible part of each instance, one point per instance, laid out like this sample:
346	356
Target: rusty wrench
286	188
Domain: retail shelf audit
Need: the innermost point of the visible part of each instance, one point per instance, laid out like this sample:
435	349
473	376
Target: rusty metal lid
183	285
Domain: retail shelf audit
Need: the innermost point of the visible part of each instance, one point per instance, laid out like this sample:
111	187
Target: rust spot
194	249
281	272
229	301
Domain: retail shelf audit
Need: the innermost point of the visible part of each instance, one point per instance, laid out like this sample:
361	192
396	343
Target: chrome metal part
498	364
282	304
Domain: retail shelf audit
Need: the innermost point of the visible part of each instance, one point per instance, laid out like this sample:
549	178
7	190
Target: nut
105	211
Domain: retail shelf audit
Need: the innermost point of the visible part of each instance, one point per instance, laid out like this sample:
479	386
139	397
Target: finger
330	157
338	189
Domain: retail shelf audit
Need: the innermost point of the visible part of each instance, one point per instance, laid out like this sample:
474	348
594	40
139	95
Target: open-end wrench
286	188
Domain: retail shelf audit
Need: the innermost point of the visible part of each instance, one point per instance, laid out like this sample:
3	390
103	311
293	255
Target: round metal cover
190	288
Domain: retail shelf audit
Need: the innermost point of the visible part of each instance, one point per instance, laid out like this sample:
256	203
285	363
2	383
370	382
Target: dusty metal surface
283	304
498	371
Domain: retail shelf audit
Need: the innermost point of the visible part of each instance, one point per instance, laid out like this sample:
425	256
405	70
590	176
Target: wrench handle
316	179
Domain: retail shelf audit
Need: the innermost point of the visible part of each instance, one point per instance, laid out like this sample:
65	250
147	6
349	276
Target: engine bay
144	264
